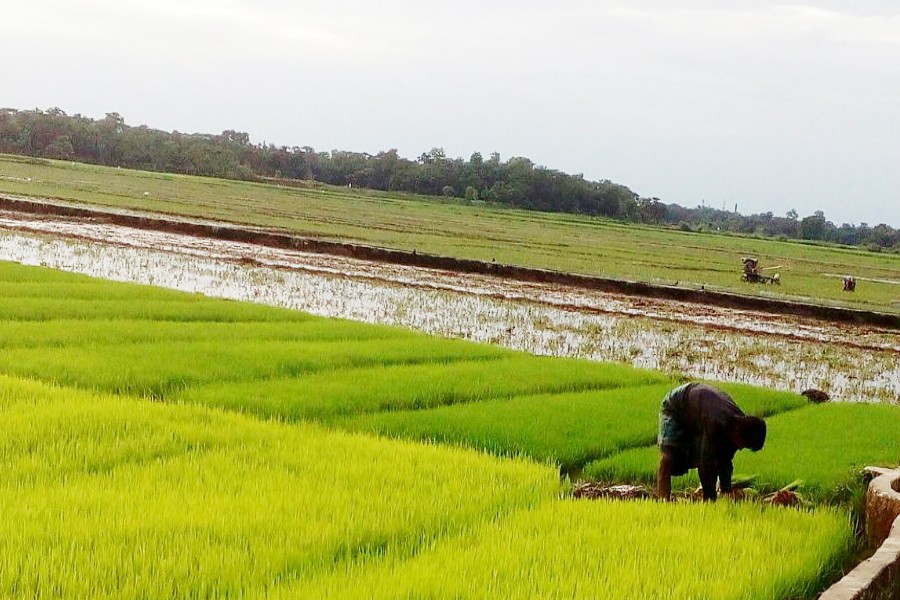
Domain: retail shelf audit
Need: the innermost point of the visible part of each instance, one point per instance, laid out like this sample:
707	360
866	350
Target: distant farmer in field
701	427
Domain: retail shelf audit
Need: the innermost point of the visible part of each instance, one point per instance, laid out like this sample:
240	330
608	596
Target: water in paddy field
778	351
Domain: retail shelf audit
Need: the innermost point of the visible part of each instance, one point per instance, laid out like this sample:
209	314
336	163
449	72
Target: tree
815	227
230	136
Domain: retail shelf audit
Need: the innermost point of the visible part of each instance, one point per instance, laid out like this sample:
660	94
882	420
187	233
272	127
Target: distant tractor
753	274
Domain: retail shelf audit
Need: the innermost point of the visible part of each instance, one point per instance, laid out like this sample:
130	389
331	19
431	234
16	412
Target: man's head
749	432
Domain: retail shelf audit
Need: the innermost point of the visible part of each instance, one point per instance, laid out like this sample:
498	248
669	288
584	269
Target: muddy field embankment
284	240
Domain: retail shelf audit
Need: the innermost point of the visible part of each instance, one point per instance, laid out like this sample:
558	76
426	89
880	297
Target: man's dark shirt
699	418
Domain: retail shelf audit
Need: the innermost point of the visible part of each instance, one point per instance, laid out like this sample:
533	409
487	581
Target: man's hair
753	432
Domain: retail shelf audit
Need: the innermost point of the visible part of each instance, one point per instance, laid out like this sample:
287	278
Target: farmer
701	427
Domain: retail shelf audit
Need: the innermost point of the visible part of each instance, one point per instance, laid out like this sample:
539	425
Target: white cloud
760	22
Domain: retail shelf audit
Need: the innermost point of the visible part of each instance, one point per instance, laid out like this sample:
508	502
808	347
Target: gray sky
770	106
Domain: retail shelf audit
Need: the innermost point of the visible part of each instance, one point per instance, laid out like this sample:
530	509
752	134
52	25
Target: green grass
826	446
331	394
568	243
635	550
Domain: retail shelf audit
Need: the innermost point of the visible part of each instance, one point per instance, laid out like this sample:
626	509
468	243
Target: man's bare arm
664	476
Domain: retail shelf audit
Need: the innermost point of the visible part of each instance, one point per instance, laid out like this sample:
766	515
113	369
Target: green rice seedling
568	429
82	332
636	465
158	369
29	294
85	288
626	550
762	402
106	497
118	497
43	309
826	446
16	273
331	394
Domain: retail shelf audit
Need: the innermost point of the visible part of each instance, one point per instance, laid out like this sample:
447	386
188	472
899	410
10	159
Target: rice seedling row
332	394
42	309
158	370
111	332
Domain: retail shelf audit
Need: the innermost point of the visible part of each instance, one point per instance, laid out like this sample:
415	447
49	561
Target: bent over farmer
701	427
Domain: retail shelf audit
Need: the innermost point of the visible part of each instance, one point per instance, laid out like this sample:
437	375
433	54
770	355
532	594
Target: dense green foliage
517	182
825	446
567	243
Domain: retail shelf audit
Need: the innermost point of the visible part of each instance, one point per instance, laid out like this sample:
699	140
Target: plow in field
754	274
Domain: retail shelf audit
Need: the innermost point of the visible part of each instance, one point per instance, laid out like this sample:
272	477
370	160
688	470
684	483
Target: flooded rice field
852	363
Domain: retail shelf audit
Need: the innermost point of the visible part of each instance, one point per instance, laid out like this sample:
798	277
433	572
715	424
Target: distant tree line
516	182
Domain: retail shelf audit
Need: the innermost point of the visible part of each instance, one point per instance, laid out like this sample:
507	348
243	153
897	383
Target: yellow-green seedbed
637	550
107	497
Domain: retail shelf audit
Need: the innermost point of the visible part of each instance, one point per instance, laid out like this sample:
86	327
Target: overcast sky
770	106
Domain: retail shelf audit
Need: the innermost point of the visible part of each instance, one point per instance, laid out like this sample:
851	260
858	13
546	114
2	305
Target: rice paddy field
157	444
567	243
